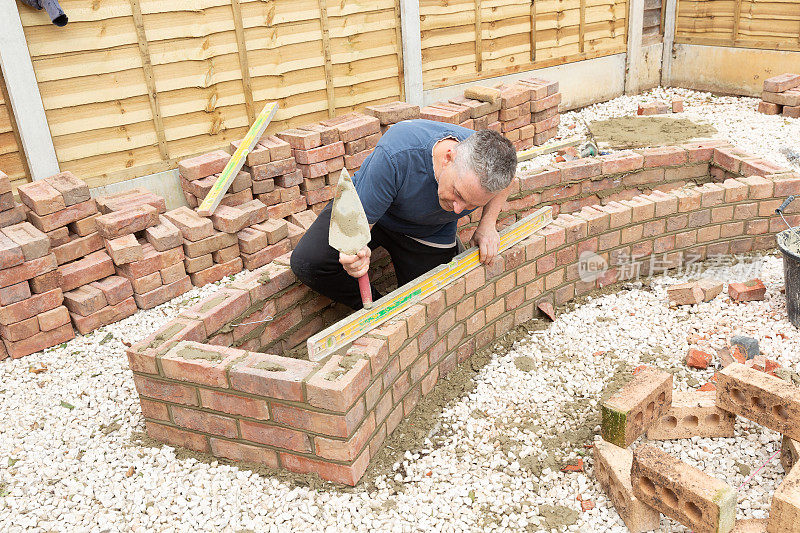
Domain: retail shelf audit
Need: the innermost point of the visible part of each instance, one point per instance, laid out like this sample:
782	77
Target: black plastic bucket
789	245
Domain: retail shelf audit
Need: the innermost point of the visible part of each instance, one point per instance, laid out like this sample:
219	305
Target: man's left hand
487	239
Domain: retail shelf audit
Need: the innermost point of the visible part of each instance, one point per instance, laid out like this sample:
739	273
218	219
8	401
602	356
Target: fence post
634	56
23	93
670	14
412	50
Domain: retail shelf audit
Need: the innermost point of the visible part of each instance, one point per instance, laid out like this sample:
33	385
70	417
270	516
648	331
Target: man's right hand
356	265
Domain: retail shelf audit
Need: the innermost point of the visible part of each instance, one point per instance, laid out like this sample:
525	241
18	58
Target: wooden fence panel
12	159
132	86
772	25
468	40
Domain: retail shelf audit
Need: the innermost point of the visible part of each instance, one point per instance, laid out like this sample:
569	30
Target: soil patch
639	132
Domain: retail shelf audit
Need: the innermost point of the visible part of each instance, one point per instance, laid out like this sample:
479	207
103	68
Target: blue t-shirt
397	186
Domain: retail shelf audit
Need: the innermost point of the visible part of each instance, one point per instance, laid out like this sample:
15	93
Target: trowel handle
785	204
366	291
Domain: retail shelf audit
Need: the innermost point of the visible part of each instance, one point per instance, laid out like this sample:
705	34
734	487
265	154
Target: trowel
349	229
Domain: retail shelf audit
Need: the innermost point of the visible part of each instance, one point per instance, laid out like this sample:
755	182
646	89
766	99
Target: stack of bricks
781	94
392	113
359	133
545	98
319	155
484	115
10	212
32	315
198	175
515	115
208	254
145	249
448	112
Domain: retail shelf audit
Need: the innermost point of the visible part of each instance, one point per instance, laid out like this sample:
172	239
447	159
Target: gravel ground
69	458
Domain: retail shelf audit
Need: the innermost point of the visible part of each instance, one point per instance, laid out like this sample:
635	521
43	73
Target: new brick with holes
765	399
680	491
612	469
692	414
634	408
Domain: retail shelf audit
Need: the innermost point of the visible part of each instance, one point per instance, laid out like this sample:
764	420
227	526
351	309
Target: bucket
789	245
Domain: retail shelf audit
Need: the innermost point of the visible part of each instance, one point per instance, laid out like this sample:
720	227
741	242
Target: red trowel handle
366	291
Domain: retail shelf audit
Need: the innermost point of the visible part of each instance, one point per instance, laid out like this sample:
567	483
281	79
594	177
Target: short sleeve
377	184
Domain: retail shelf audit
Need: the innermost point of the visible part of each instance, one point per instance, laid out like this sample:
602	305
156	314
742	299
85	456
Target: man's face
460	190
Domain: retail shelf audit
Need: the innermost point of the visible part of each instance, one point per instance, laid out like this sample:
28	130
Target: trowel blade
349	229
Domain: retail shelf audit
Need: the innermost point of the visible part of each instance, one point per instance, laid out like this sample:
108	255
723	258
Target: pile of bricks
198	175
647	482
545	98
10	212
448	112
484	115
359	133
392	113
32	315
781	94
146	251
660	108
515	115
208	254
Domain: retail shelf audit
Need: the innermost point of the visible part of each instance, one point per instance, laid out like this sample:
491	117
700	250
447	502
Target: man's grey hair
490	156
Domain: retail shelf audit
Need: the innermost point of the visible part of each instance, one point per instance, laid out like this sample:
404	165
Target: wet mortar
639	132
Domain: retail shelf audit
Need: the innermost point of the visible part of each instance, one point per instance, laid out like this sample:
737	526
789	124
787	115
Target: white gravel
68	463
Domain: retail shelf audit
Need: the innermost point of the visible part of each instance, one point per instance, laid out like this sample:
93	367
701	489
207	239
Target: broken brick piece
612	468
698	359
748	291
760	397
711	288
685	294
692	414
682	492
629	412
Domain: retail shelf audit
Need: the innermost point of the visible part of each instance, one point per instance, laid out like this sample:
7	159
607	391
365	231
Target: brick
629	412
685	294
39	341
124	249
278	148
30	307
219	309
11	253
203	165
14	293
54	318
114	288
782	82
338	384
199	363
393	112
792	111
224	255
94	266
33	243
693	498
164	235
45	282
612	466
85	300
13	216
20	330
59	236
266	255
192	226
748	291
163	293
71	188
205	422
271	376
41	197
106	315
229	219
63	217
692	414
77	248
789	97
300	139
760	397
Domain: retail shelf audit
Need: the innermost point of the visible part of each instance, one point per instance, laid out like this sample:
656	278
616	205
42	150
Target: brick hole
670	422
758	403
669	497
738	396
646	486
692	511
712	419
619	497
662	398
781	412
786	456
690	421
651	408
638	419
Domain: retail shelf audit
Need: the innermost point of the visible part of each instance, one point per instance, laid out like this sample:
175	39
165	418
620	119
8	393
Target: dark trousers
317	265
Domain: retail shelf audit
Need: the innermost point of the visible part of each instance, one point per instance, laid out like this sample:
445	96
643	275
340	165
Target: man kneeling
422	177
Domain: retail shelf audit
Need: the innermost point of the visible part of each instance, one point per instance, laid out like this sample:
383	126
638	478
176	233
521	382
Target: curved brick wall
205	384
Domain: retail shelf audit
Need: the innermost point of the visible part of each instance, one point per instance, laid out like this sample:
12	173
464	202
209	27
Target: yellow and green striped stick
214	196
349	329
